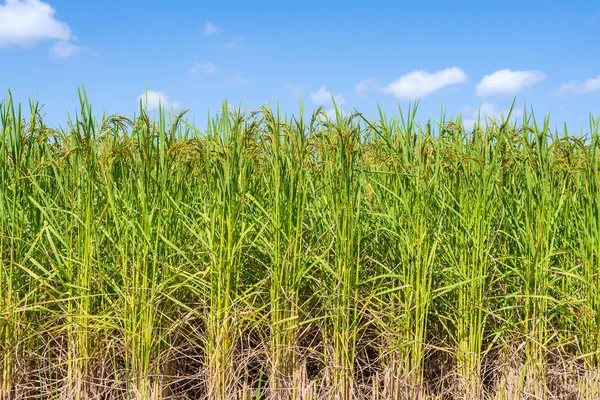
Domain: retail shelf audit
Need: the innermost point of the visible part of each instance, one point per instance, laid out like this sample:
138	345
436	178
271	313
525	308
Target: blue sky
455	55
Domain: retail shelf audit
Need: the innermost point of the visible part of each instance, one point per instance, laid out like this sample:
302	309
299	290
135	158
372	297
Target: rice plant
321	257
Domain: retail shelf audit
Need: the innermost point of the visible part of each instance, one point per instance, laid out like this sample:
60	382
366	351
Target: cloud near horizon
486	111
322	97
153	100
591	85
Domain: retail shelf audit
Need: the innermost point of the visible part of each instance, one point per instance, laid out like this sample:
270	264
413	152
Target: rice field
267	256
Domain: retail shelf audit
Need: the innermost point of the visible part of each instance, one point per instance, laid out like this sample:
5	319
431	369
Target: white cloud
365	86
64	49
233	43
296	90
506	82
486	110
236	79
490	110
152	99
210	28
333	115
591	85
203	69
25	22
323	97
421	83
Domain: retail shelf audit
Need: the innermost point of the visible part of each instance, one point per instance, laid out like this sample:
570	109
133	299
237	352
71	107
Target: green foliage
295	258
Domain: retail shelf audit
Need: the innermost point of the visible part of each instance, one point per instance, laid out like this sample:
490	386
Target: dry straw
297	258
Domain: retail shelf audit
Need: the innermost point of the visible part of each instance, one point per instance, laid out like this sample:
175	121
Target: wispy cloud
233	43
323	97
152	100
294	89
65	49
421	83
506	82
210	28
365	86
26	22
203	69
236	79
591	85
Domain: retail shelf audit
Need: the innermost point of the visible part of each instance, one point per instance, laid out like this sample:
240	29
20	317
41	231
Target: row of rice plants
301	257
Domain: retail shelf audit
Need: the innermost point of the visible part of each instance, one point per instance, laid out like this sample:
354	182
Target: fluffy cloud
153	99
203	69
591	85
210	28
26	22
506	82
323	97
421	83
365	86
